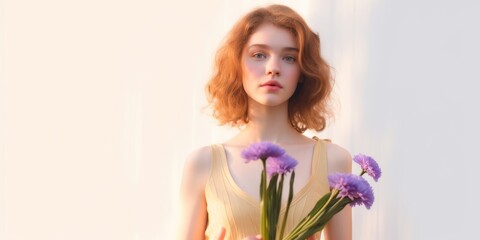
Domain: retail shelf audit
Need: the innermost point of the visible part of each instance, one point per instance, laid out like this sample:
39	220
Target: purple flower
280	165
369	165
353	187
262	150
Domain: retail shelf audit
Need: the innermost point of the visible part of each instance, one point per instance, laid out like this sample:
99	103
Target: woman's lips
271	84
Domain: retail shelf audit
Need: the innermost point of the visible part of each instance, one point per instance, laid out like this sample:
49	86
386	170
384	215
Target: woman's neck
267	123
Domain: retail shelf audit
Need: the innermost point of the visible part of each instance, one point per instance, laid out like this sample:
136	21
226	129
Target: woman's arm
340	226
193	208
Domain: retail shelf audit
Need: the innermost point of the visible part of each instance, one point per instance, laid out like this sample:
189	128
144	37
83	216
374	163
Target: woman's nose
272	67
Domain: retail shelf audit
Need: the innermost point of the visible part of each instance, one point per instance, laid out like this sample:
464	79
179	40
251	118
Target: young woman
271	81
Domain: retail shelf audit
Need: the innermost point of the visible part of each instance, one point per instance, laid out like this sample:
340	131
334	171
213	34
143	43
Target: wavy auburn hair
308	106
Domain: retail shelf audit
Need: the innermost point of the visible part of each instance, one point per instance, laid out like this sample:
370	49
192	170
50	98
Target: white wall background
100	102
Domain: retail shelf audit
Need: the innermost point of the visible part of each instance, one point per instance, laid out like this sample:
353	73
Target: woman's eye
289	59
259	56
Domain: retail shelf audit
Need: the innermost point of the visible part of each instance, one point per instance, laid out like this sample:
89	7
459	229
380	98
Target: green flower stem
278	200
290	197
274	202
336	204
311	220
316	216
263	202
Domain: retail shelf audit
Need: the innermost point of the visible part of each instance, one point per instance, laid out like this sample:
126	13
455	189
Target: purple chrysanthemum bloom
280	165
353	187
369	165
262	150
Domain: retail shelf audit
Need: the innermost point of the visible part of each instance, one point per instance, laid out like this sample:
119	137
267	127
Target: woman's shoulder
339	159
199	160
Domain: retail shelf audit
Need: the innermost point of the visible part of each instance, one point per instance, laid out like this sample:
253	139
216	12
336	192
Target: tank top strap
217	167
320	164
219	159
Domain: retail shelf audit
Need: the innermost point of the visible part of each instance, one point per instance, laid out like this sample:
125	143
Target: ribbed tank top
230	207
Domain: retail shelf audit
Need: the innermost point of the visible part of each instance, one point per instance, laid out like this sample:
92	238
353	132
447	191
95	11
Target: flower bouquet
345	189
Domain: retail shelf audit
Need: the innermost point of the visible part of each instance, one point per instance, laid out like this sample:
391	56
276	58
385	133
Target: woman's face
270	65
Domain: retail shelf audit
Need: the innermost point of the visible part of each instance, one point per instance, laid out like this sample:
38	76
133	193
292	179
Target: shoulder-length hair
307	108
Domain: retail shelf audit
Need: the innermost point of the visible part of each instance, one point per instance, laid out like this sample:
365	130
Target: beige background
100	103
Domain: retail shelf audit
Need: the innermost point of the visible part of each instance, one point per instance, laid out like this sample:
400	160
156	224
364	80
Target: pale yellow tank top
230	207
